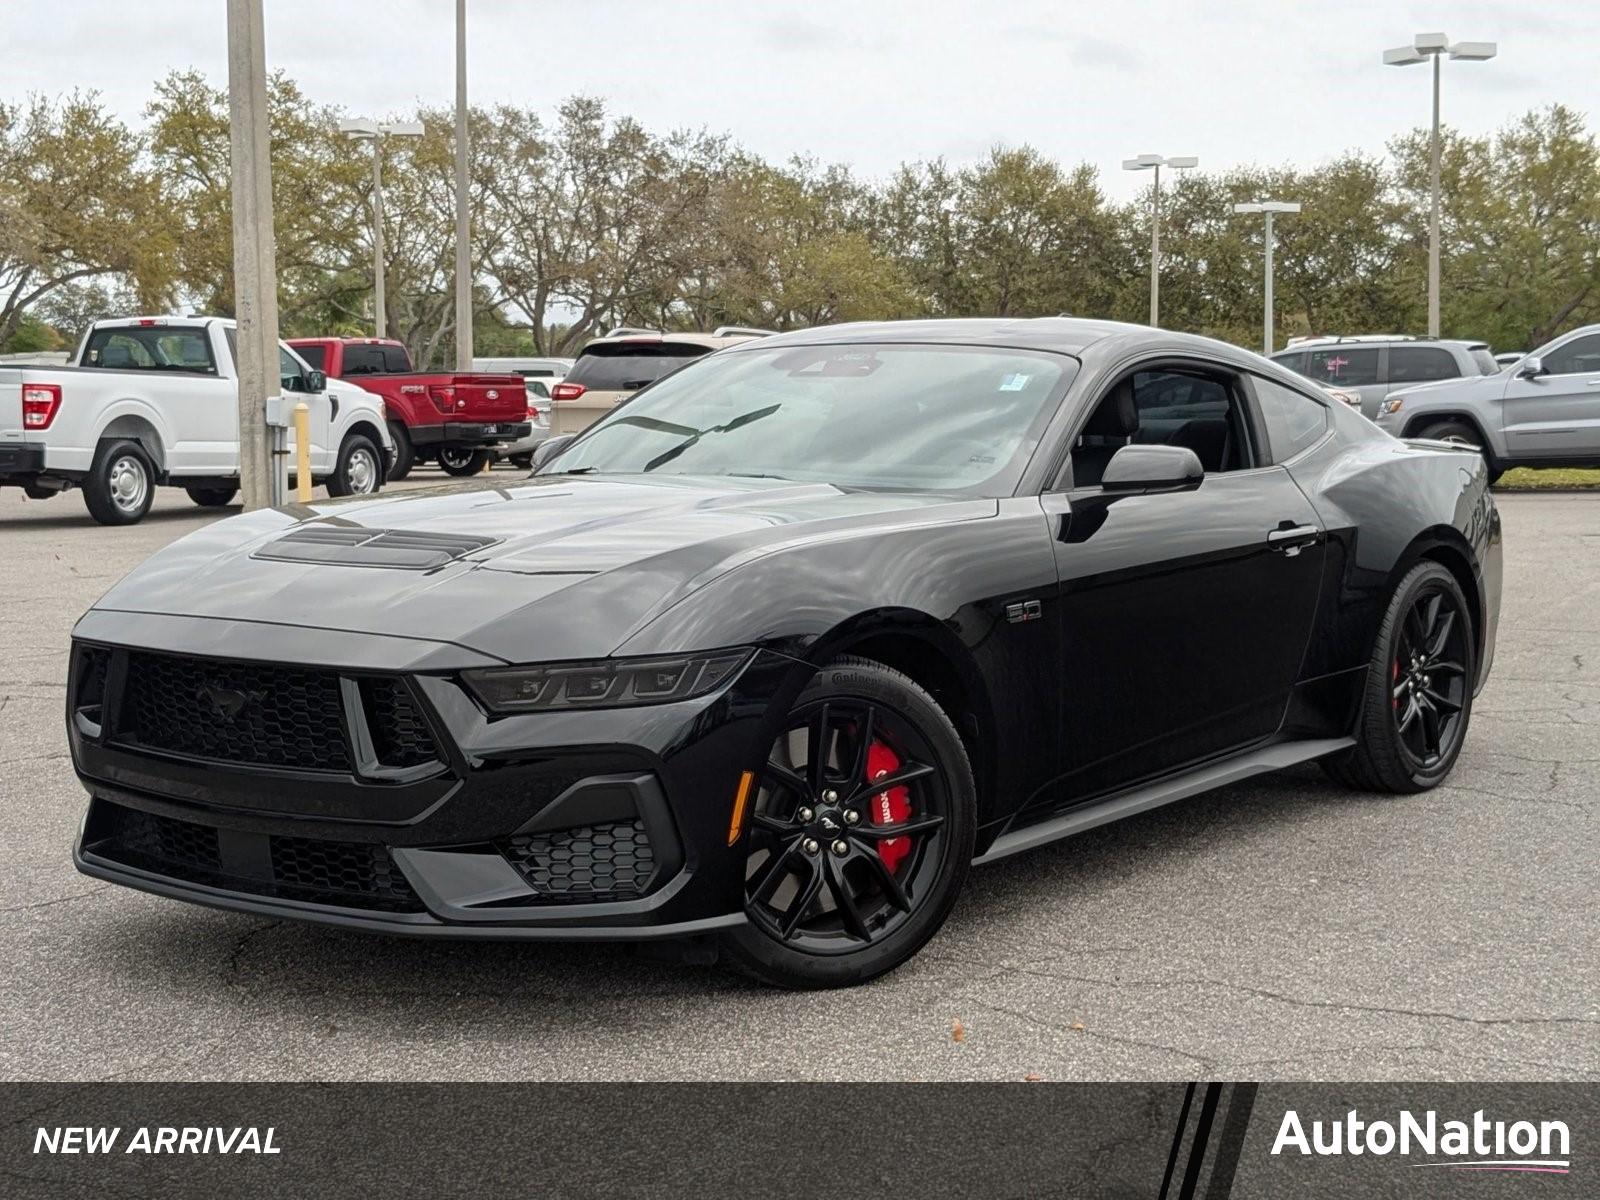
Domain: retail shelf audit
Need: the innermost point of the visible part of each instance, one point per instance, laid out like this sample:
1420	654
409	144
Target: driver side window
1580	356
1174	406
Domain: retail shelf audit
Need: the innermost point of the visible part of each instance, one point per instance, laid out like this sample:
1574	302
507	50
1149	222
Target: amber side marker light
741	801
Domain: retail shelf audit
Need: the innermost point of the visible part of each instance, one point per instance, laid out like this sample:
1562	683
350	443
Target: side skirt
1164	791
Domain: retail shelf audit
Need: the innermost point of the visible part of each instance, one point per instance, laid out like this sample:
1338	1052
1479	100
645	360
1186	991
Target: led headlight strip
608	683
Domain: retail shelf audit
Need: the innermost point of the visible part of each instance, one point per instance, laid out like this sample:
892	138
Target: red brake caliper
890	807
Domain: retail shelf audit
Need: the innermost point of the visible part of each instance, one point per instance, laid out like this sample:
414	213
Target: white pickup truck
153	401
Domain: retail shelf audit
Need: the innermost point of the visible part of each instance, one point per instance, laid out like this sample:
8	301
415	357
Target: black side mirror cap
1151	468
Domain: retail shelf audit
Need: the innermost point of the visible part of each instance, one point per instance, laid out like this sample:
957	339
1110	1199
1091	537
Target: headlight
608	683
1389	407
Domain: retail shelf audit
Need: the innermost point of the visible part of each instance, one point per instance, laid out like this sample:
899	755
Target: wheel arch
1420	421
135	426
365	426
1446	546
929	653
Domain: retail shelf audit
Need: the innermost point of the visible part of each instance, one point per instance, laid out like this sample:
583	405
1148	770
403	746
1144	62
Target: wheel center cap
829	821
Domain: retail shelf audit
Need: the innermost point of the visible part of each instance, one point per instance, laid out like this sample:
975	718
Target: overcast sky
871	82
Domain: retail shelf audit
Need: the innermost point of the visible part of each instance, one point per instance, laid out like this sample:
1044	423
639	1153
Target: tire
459	461
212	497
359	471
523	461
121	483
405	454
1462	434
1400	694
889	906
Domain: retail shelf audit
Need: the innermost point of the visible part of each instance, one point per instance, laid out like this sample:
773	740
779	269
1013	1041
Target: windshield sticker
1014	383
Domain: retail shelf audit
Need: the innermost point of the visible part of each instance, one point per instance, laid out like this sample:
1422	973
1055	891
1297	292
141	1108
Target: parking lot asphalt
1279	929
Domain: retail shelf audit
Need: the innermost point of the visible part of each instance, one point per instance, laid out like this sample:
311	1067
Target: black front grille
400	733
348	874
609	861
254	713
162	844
340	873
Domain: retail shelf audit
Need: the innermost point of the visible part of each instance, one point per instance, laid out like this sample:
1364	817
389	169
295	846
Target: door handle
1291	541
1593	383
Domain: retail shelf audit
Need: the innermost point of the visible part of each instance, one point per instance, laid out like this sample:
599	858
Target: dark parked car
779	647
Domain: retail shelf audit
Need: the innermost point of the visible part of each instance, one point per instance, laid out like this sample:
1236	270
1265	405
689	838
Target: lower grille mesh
349	874
610	861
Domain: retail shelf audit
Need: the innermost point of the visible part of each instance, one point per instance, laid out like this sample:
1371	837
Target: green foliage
589	220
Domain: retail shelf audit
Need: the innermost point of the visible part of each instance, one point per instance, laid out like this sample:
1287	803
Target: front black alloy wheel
861	832
1419	688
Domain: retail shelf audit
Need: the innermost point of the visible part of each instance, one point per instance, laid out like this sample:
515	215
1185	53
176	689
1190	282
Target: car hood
547	568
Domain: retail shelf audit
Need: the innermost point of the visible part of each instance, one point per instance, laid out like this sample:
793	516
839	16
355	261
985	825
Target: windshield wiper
738	422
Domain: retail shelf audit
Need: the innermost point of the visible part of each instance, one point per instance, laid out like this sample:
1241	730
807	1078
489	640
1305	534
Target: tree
75	205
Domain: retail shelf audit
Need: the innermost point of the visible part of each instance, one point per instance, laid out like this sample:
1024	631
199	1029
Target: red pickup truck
445	416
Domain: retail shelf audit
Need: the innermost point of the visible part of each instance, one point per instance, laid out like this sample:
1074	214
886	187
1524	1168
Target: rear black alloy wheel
861	831
462	460
1418	700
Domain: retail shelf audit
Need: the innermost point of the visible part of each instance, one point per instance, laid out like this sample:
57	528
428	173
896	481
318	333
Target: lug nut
810	846
830	797
851	816
803	814
841	847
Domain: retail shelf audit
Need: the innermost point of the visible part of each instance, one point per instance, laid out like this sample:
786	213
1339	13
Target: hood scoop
359	546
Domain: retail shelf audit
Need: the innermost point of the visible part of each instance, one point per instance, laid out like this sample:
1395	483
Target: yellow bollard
302	452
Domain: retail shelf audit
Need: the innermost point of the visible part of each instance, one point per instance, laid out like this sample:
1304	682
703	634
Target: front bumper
468	433
607	824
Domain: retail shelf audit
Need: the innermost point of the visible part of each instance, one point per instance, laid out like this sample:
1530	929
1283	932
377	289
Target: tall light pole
1147	162
1268	208
374	132
463	200
1423	47
263	469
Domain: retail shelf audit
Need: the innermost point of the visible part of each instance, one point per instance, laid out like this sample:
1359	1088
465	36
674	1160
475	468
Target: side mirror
549	448
1152	468
316	381
1530	367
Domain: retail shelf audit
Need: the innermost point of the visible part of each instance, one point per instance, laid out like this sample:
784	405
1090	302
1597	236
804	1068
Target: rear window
627	366
1484	360
1342	366
363	360
150	348
1295	360
1421	364
316	356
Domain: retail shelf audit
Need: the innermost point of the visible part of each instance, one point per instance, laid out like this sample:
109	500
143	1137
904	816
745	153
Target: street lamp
1423	47
1147	162
1268	208
372	131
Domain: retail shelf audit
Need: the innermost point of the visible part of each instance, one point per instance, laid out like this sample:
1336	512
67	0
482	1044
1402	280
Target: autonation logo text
1476	1145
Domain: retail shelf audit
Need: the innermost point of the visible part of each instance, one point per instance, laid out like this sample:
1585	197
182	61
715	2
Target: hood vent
358	546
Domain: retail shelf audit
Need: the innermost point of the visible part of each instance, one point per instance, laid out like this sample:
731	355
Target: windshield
934	418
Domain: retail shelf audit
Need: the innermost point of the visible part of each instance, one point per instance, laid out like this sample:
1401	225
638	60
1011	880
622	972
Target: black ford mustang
775	651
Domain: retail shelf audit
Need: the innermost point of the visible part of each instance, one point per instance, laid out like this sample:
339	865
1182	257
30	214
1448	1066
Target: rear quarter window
1421	364
1294	421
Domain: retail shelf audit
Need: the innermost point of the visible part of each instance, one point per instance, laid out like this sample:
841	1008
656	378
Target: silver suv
1373	365
1541	411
